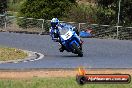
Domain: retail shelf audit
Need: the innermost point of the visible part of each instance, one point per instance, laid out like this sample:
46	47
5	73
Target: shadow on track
63	56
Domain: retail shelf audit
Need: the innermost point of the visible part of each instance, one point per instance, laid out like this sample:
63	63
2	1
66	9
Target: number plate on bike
67	35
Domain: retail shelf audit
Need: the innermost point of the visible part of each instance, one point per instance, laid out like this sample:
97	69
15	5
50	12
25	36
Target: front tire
77	50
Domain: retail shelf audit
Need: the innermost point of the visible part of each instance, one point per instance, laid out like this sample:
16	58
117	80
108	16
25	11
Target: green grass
11	54
54	83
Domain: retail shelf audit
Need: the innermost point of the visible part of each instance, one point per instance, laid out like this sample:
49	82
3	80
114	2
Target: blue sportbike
71	41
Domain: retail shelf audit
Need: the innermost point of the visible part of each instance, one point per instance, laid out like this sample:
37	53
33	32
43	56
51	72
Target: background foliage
102	12
126	8
45	9
82	13
3	6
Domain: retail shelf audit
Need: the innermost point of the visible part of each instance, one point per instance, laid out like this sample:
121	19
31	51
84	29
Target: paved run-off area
98	53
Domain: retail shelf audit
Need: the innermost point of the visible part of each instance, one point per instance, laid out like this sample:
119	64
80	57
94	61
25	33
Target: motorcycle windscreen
66	34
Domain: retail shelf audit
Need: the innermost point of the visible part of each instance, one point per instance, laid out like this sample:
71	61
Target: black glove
56	39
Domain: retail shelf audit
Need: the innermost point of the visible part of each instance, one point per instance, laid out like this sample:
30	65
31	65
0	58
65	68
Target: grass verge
62	82
11	54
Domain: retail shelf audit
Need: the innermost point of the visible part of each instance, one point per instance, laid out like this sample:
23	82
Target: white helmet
54	22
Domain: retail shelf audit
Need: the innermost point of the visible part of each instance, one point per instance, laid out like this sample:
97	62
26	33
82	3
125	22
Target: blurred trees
46	9
105	3
103	12
3	6
125	14
82	13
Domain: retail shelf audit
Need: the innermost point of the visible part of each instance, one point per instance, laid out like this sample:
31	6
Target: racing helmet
54	22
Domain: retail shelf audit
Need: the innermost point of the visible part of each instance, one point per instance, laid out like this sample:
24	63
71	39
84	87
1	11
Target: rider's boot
61	49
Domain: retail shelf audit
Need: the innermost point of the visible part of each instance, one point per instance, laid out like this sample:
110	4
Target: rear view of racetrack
98	53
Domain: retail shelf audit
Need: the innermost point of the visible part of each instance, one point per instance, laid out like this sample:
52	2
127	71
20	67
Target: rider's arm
52	34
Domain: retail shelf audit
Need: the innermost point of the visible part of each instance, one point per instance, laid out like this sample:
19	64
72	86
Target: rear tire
79	52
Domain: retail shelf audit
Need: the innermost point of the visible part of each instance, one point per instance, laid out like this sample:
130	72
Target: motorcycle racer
54	31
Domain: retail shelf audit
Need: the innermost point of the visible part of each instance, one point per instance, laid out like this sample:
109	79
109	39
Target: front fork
81	43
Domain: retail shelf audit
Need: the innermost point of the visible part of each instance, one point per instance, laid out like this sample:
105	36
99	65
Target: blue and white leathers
54	33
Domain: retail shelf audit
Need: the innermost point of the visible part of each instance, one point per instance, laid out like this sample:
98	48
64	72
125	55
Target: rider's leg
76	30
62	48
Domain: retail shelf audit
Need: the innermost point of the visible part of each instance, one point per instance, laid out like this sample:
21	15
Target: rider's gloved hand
56	40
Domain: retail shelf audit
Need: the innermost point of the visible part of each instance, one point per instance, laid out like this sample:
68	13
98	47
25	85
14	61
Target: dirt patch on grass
57	73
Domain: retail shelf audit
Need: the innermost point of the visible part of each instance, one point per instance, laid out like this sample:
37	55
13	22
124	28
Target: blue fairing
74	40
85	34
68	43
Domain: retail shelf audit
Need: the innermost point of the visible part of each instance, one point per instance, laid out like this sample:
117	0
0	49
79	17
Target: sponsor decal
83	78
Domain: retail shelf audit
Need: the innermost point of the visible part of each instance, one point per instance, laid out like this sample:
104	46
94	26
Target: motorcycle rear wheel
79	52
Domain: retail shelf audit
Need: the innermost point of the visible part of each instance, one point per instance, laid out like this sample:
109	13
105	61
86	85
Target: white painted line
31	60
25	61
41	56
15	62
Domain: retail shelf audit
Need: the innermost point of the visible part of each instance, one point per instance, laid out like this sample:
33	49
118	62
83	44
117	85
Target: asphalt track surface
98	53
